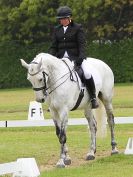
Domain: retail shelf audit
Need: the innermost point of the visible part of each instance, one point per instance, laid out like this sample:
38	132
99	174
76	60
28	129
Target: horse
55	82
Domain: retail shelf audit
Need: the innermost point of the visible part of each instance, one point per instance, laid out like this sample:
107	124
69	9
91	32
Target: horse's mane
41	56
49	58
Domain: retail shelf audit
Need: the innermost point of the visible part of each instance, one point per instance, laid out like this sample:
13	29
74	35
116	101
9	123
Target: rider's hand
79	61
77	67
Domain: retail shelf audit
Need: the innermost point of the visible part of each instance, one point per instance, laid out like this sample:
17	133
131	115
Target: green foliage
117	55
11	72
29	21
103	20
32	21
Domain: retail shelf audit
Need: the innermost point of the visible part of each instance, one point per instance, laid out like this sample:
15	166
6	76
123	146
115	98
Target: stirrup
94	103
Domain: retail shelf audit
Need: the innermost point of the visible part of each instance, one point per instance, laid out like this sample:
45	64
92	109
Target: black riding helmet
64	12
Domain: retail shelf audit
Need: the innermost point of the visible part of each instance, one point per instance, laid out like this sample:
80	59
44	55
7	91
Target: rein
56	82
71	77
58	85
45	88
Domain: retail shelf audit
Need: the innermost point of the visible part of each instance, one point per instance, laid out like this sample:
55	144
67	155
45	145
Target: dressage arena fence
36	119
49	122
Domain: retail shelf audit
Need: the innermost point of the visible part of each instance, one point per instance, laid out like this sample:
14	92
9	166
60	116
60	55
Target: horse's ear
24	64
39	64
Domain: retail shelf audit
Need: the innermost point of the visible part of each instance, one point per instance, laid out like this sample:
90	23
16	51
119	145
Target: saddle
80	73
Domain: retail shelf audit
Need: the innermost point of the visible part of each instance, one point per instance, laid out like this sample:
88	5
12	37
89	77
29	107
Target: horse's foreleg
93	129
64	158
64	148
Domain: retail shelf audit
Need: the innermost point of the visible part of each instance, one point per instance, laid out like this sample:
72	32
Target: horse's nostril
43	100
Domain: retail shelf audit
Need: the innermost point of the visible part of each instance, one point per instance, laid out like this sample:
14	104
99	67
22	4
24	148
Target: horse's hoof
67	161
90	157
115	151
60	164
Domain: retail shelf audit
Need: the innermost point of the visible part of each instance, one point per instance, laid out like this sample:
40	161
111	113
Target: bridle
44	78
45	88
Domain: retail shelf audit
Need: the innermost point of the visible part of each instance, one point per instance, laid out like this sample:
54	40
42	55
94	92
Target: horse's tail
101	118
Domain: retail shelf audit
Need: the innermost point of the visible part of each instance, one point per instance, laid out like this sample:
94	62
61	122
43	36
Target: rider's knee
87	75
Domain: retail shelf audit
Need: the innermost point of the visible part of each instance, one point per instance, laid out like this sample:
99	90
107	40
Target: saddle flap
80	73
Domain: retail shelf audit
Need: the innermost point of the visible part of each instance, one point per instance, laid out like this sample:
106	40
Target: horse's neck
54	69
54	65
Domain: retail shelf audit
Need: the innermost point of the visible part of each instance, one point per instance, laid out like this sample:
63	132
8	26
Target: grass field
41	142
14	103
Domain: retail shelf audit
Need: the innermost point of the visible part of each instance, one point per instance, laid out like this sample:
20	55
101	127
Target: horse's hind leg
93	128
110	118
111	126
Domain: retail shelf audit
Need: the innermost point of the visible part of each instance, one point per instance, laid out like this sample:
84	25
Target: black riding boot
90	85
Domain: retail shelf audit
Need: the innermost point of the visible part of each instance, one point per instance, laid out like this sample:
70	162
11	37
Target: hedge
12	74
119	56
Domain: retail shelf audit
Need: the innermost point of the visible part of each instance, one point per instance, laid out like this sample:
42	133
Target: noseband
44	80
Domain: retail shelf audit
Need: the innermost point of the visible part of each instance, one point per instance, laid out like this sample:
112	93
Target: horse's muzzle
40	100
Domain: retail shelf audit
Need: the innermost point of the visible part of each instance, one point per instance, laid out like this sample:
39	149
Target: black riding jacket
72	41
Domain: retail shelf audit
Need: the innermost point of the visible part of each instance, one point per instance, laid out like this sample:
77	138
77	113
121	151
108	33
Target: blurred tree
115	20
32	21
104	19
28	20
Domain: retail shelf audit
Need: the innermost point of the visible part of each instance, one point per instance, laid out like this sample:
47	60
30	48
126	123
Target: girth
81	95
82	77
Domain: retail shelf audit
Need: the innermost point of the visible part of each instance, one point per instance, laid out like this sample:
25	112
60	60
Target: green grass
42	143
14	103
109	166
123	100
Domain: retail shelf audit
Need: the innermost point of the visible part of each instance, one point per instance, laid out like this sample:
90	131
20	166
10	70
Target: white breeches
85	66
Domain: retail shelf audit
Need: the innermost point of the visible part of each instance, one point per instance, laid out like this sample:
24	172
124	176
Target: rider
69	42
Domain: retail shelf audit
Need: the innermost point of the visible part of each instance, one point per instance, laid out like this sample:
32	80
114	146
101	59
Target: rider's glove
79	61
77	66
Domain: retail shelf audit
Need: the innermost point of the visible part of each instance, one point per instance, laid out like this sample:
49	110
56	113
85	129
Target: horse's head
37	77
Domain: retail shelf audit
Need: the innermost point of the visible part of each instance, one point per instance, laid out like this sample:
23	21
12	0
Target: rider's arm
53	48
81	45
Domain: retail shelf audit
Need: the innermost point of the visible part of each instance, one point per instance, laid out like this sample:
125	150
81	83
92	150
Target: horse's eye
40	80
